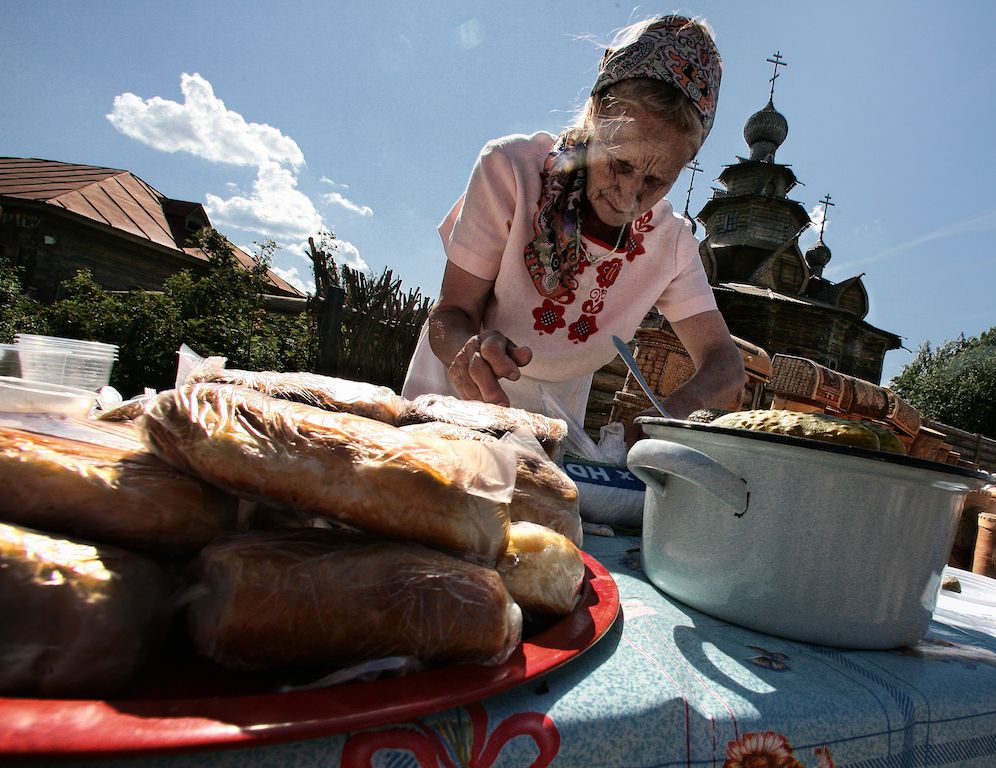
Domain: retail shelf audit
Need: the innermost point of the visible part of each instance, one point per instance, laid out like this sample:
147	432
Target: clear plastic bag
119	495
451	495
327	392
609	493
323	597
82	618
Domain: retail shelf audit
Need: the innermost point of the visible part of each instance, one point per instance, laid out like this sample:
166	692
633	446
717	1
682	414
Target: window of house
731	222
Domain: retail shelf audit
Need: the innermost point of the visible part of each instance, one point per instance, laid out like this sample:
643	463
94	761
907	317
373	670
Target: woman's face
632	163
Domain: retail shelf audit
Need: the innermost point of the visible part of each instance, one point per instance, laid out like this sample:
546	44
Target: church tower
769	292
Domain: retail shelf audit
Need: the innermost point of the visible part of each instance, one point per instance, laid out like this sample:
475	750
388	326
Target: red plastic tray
181	721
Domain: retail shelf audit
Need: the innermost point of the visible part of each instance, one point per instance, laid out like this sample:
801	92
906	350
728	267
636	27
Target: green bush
222	312
955	383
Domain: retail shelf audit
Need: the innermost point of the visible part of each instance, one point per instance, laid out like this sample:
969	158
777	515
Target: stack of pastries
283	521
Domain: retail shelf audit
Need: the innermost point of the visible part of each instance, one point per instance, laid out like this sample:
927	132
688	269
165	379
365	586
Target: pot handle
688	464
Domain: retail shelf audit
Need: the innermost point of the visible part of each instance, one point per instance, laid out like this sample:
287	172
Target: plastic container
26	396
42	364
86	364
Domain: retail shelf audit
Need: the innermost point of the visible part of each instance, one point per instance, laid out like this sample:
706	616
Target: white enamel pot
806	540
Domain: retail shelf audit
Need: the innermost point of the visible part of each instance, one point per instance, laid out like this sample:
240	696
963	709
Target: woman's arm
719	367
475	358
719	370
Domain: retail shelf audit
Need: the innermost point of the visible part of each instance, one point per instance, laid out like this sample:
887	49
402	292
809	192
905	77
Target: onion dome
817	257
764	132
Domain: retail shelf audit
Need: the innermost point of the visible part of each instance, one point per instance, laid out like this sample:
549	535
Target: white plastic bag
609	493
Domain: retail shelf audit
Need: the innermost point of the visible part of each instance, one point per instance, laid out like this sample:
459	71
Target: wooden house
57	218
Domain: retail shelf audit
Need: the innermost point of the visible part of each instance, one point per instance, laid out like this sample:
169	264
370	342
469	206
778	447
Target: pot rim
817	445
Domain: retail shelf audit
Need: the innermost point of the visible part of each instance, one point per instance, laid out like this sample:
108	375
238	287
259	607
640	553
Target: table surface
669	686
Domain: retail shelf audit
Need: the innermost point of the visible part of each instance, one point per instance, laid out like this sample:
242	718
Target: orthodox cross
776	62
826	205
694	167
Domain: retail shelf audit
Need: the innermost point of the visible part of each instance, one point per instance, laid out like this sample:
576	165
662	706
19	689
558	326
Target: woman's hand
483	360
475	360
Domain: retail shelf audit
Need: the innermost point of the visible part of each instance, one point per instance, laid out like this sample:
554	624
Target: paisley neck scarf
672	49
553	255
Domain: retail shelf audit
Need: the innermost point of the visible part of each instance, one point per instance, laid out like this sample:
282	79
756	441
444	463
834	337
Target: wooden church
769	291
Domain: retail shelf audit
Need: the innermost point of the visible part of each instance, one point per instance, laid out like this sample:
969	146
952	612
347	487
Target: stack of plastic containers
72	362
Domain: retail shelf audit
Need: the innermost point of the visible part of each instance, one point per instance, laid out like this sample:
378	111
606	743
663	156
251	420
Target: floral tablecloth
669	686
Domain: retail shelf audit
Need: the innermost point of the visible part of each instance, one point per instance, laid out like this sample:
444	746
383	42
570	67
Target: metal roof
113	197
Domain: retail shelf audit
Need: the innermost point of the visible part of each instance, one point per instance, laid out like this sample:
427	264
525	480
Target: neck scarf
552	257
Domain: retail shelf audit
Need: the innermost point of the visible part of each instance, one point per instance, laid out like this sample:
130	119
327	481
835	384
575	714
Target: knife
627	357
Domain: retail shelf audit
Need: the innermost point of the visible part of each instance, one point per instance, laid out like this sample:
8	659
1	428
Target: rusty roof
113	197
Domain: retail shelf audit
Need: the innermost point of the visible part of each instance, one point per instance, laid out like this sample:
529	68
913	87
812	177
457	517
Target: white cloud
275	207
292	276
349	255
818	216
335	198
202	126
469	34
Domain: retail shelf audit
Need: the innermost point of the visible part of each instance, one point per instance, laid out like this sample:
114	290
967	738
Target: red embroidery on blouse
582	328
608	271
549	317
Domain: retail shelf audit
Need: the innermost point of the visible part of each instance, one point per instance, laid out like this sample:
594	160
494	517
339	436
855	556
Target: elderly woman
559	243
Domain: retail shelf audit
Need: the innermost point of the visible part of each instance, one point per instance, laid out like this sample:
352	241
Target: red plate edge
122	728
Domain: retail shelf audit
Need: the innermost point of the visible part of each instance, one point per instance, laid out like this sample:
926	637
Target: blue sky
283	118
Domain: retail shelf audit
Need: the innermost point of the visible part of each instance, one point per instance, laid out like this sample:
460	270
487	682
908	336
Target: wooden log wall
972	446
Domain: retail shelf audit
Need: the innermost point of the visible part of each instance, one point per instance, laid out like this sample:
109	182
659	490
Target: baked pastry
485	417
369	475
81	618
542	570
332	597
126	497
544	494
326	392
129	410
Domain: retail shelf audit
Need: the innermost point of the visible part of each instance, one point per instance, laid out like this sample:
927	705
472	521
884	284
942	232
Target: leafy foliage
218	313
16	311
222	312
954	383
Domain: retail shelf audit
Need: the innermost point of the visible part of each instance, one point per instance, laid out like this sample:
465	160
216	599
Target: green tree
16	311
219	313
955	383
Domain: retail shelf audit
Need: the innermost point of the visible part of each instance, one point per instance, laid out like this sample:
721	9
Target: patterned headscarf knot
674	50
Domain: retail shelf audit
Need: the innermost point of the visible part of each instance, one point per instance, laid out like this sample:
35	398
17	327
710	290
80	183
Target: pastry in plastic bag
80	619
332	597
126	497
326	392
544	494
494	419
542	570
363	473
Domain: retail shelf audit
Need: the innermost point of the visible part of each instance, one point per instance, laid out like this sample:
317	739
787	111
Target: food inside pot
814	426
